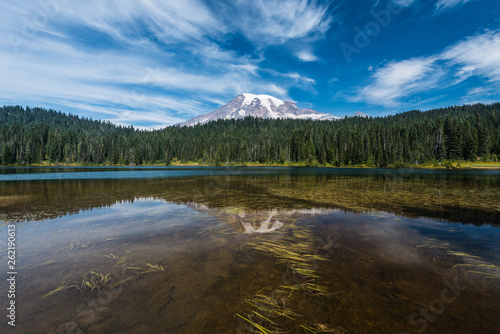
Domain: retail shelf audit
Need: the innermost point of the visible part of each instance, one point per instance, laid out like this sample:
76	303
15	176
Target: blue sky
154	63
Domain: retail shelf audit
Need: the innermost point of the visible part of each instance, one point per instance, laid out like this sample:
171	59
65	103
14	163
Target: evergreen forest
460	133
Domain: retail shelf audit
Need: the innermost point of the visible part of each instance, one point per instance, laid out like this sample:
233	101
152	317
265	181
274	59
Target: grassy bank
462	165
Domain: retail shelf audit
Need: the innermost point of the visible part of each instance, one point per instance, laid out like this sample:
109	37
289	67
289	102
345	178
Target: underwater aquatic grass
121	261
121	282
272	307
321	328
294	247
94	281
471	264
154	267
260	328
60	288
75	245
46	263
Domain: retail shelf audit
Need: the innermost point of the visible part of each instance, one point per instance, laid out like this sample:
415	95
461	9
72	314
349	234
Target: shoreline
462	166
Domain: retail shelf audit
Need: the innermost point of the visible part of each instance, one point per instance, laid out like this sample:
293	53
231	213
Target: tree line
468	133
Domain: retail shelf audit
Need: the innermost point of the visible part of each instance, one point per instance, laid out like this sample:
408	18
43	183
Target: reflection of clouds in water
120	210
123	218
390	238
398	239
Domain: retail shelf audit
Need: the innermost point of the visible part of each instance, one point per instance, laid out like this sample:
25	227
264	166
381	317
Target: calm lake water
251	250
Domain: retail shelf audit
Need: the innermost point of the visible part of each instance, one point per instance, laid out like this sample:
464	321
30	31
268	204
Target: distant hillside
30	136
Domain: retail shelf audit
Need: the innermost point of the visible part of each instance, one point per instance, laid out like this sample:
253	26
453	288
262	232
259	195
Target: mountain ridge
262	106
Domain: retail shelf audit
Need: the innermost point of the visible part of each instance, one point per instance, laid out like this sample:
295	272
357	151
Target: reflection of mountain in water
258	221
455	199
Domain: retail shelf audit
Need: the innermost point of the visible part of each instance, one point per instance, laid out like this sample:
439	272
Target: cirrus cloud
396	83
141	57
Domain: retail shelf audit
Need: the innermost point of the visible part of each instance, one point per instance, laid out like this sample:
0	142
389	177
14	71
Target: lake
250	250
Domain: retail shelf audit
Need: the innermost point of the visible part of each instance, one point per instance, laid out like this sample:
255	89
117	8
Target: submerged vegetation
322	270
75	245
278	311
436	137
468	263
453	197
295	250
93	281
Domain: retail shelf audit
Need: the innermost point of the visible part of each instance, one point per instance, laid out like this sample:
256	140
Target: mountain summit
263	106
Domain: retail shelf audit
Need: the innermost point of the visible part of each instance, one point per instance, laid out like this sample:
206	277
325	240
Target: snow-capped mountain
263	106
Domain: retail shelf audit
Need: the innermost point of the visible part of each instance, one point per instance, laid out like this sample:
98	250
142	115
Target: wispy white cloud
134	23
482	94
292	79
442	5
333	81
158	119
127	20
477	55
279	91
155	61
168	60
107	81
307	56
404	3
268	22
400	79
397	82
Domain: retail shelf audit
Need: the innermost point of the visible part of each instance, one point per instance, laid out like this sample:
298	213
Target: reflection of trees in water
461	198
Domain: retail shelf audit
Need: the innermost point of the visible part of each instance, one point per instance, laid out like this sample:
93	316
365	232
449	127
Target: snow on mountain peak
262	106
264	100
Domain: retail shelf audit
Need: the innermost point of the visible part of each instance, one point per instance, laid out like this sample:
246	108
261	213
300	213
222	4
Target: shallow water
225	250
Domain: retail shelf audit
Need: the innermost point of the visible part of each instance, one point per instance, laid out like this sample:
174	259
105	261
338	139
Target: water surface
226	250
